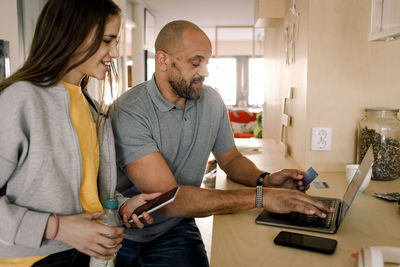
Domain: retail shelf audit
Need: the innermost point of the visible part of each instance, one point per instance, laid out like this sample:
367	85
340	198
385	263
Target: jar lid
382	109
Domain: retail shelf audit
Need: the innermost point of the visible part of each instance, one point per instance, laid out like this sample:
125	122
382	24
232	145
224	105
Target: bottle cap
112	203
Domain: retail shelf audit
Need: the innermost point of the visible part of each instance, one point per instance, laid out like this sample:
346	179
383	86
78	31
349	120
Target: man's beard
183	90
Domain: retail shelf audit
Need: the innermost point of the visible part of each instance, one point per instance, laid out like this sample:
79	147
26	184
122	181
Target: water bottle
110	218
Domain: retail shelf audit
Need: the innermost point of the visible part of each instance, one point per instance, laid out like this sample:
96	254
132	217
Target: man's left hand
287	178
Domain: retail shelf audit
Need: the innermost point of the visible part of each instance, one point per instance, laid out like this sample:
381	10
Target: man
165	130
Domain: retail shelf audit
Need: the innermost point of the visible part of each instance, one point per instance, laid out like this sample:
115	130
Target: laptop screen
355	184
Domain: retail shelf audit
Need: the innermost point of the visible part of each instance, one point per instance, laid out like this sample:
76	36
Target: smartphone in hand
307	242
156	203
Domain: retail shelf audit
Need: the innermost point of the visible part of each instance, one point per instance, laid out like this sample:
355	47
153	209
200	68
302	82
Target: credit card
309	176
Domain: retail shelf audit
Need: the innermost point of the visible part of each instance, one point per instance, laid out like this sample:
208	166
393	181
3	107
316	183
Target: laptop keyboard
313	220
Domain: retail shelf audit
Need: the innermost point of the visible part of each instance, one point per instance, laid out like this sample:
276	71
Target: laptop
331	223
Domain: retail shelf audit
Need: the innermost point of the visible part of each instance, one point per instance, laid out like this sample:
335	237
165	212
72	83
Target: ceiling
204	13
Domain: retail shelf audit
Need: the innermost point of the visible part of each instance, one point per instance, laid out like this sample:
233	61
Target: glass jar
381	128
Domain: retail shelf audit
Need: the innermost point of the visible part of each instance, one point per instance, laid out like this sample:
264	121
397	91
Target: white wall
9	31
336	75
138	44
346	75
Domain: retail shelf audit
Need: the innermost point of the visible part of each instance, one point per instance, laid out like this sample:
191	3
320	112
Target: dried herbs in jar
381	129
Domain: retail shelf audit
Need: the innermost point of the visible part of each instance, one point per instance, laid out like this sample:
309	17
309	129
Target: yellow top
20	262
85	128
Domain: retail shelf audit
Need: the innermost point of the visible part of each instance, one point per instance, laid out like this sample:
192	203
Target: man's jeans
182	246
66	258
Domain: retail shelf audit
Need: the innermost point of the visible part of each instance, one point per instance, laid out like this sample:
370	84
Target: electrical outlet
321	139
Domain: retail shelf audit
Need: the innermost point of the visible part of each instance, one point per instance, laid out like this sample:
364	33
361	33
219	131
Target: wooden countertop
238	241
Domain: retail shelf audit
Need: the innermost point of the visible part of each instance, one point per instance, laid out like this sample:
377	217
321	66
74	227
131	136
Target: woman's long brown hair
62	27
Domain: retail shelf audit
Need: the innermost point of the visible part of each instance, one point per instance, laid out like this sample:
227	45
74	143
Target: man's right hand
285	201
127	209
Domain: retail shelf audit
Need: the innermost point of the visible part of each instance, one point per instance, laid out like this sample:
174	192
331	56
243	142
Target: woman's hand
83	233
131	204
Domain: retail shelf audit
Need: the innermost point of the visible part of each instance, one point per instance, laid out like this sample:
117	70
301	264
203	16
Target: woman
57	156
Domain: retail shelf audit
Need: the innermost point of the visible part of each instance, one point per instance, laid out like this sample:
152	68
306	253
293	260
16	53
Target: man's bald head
170	37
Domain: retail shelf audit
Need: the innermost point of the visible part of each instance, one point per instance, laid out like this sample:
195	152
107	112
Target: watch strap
259	190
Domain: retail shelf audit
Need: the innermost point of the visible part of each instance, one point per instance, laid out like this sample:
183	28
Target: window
239	80
222	77
256	82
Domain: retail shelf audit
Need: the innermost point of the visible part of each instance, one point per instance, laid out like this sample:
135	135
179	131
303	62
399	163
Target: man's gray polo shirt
145	122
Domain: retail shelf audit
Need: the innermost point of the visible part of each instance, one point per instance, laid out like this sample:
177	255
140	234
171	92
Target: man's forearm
242	170
199	202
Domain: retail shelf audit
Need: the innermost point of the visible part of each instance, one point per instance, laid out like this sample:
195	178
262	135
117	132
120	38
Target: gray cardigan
41	168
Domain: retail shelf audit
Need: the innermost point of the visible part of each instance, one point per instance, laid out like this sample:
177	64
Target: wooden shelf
268	12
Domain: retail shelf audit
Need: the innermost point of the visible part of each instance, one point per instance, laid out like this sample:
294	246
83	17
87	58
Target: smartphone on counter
156	203
307	242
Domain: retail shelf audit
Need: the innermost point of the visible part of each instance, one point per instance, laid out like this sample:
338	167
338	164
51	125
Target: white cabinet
385	20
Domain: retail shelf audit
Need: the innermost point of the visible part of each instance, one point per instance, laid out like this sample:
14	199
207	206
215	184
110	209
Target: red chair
242	123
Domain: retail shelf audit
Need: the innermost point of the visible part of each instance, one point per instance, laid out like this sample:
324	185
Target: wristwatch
259	190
